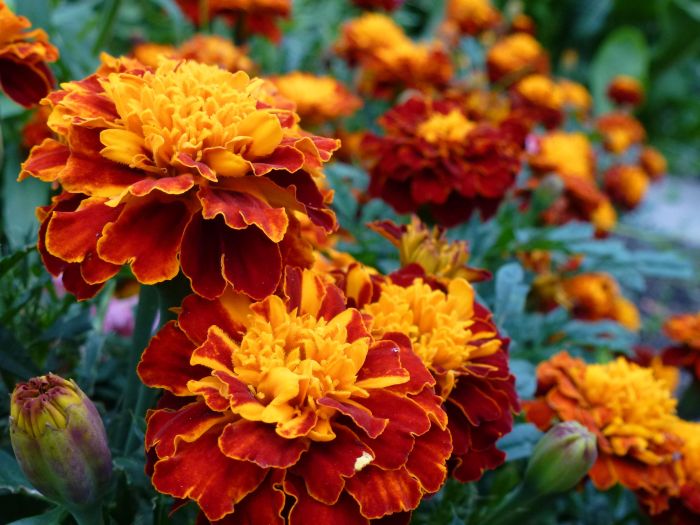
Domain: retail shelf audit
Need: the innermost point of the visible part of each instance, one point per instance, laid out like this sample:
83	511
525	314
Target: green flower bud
59	441
561	459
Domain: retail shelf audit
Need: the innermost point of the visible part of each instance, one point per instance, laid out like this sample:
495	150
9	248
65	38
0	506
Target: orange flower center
450	127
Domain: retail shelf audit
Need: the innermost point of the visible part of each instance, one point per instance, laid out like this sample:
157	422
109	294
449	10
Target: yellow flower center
437	323
568	154
432	251
290	361
640	407
202	111
450	127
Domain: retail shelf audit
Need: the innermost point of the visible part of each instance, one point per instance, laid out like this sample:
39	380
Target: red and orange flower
24	75
471	17
515	56
386	5
432	156
630	412
626	184
183	167
626	90
685	510
620	131
288	410
684	331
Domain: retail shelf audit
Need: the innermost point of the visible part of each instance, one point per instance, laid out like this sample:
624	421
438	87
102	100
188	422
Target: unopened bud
561	459
59	441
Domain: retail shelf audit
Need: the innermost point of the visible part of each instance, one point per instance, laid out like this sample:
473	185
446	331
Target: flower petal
252	262
45	161
309	510
380	492
258	442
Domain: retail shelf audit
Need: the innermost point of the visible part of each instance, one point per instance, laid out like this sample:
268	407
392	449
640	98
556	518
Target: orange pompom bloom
567	154
433	156
630	412
471	17
317	98
289	411
24	75
389	60
186	166
541	98
596	296
514	56
653	162
456	339
576	97
685	510
627	185
624	89
620	131
684	331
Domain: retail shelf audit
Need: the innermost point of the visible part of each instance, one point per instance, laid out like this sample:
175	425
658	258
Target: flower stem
106	29
512	509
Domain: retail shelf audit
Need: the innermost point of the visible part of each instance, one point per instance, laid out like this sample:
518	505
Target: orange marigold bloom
386	5
208	49
24	75
630	412
471	17
289	411
430	249
514	56
541	98
255	16
653	162
317	98
389	59
646	357
576	97
684	331
433	156
596	296
627	185
568	154
522	23
456	339
624	89
685	510
184	167
36	129
620	131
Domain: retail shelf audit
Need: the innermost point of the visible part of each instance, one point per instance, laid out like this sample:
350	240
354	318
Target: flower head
186	166
514	56
471	17
455	338
684	331
626	184
386	5
541	98
59	440
653	162
317	98
564	153
432	156
294	403
685	509
626	90
629	411
24	75
620	131
576	97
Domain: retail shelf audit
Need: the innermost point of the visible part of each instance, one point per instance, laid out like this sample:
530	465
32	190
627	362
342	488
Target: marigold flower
521	23
471	17
389	59
653	162
685	510
255	16
184	167
596	296
576	97
430	249
624	89
514	56
317	98
569	154
684	331
36	129
433	156
541	98
289	411
669	375
631	414
620	131
456	339
24	75
626	184
386	5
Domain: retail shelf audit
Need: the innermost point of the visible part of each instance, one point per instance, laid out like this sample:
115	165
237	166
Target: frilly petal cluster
214	50
470	17
626	184
432	157
631	414
515	56
626	90
288	410
685	510
684	332
25	76
317	98
182	167
389	60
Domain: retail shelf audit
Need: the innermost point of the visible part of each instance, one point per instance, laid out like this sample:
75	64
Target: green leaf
52	517
511	293
692	7
525	379
519	443
624	52
11	477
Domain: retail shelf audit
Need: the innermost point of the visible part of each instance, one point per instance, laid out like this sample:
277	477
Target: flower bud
561	459
59	441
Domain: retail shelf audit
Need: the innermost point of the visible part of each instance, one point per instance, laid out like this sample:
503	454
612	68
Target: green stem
146	312
106	29
512	509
